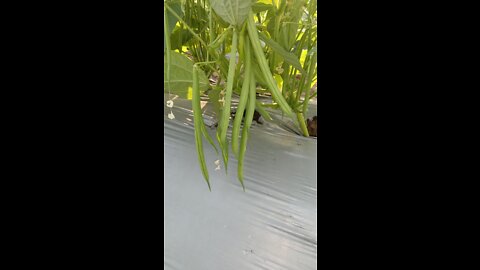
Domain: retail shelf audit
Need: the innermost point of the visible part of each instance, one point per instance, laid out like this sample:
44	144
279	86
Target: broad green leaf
287	56
232	11
181	76
220	21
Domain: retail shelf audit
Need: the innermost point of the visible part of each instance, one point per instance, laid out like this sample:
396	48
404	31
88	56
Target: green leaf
179	38
172	20
259	7
288	31
287	56
220	21
232	11
181	76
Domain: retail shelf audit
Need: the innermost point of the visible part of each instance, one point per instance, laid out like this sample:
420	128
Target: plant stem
167	41
302	123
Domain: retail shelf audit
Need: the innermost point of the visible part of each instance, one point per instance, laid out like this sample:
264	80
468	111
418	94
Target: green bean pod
243	98
198	122
246	127
225	117
262	61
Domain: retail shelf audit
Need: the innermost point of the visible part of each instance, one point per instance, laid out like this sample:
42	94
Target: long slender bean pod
198	122
262	61
243	98
223	126
246	127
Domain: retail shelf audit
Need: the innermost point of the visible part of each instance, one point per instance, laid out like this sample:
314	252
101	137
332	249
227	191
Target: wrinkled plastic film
273	225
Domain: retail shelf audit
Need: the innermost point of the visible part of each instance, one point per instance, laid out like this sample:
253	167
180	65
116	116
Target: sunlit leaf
181	76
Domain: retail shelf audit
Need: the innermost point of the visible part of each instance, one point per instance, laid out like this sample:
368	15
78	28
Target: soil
312	126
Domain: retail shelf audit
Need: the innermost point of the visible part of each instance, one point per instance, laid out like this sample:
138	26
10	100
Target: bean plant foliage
225	49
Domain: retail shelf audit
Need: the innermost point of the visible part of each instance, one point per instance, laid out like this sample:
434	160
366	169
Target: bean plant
276	45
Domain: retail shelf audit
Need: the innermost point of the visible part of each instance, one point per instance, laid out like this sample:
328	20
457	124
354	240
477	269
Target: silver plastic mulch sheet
272	225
